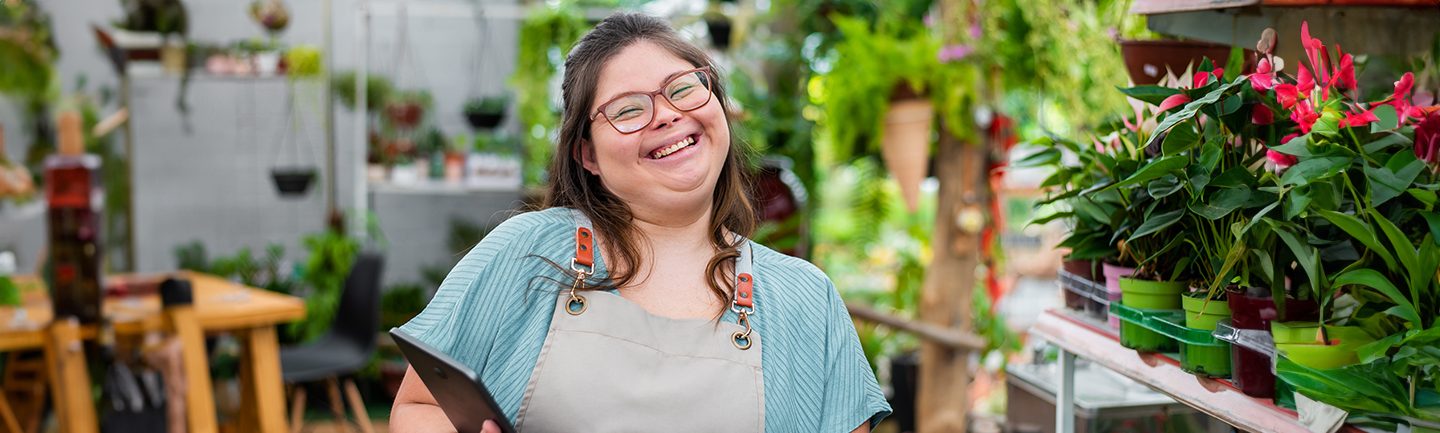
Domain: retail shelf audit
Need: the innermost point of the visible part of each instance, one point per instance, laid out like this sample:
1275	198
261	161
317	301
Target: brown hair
570	185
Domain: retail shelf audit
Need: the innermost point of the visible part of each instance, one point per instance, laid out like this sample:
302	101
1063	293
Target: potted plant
154	29
877	102
1148	61
487	112
404	110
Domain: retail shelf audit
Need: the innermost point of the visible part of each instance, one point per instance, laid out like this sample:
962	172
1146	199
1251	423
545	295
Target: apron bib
610	366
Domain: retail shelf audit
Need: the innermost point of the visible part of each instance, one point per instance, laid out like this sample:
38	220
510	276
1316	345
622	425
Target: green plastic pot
1203	314
1298	342
1150	295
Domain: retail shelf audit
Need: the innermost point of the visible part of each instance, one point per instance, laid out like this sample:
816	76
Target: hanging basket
484	120
1147	61
720	29
292	181
906	145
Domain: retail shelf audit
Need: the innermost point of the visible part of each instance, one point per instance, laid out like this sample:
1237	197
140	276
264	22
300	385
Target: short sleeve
457	320
852	395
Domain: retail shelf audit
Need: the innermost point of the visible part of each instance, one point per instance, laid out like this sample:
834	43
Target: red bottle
75	203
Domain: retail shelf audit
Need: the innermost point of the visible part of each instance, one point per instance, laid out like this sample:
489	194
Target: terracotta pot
1147	61
906	145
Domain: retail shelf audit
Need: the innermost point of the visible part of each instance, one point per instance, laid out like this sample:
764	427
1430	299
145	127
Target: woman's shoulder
798	277
535	225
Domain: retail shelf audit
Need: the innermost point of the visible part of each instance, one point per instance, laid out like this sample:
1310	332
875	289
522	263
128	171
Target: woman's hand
490	427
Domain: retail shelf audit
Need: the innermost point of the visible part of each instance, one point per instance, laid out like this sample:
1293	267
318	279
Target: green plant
546	36
400	303
161	16
26	50
323	277
303	61
487	105
377	90
876	62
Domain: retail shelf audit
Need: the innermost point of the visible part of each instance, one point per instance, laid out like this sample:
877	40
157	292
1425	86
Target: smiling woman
633	301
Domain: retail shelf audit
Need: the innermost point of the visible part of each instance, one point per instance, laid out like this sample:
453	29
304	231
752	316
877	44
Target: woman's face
644	168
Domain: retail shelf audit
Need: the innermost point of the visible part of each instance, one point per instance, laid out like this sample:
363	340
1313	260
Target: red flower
1287	138
1305	116
1313	49
1262	115
1264	77
1277	162
1427	139
1305	81
1173	101
1344	78
1401	99
1287	94
1359	119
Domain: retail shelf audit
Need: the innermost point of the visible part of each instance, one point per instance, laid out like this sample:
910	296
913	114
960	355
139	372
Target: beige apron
610	366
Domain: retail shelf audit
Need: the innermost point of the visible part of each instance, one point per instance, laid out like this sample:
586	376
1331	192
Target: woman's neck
669	229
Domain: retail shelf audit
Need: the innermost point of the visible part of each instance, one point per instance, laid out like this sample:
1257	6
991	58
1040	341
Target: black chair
344	349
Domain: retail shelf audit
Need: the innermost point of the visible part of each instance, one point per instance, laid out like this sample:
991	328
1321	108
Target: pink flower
1264	77
1278	162
1262	115
1292	136
1305	116
955	52
1313	49
1287	94
1401	99
1202	78
1173	101
1427	139
1306	81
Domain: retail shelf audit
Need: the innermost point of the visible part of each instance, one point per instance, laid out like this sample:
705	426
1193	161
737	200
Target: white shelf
1218	398
440	187
9	211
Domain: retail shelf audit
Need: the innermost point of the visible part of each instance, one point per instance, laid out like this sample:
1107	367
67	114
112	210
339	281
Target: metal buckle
576	266
741	339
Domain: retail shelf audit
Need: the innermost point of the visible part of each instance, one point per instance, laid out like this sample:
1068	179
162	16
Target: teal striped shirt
493	312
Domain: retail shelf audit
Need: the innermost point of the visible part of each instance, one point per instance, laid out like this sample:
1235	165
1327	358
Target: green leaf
1314	169
1362	232
1370	278
1157	223
1164	187
1388	119
1221	204
1151	94
1388	139
1296	202
1390	181
1298	147
1433	220
1190	109
1231	104
1042	158
1425	196
1152	171
1303	252
1178	140
1379	348
1199	182
1399	243
1210	156
1235	63
1235	177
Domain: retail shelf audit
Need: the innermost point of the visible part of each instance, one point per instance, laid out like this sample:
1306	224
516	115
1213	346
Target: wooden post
69	380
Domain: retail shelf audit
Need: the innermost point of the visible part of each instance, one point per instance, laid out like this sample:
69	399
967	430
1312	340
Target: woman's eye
626	113
681	90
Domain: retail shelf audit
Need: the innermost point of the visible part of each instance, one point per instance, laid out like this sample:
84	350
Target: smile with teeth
667	150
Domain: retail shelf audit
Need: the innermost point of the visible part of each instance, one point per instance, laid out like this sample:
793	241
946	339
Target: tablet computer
456	387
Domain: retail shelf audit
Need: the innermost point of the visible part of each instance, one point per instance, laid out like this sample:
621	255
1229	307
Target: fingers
490	427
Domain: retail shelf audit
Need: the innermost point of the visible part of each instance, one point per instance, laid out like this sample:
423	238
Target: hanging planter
1147	61
486	113
293	181
905	145
719	27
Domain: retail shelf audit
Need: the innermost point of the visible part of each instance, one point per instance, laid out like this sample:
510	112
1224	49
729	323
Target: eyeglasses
631	112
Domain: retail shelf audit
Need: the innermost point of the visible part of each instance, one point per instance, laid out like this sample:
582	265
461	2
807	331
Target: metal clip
741	339
576	306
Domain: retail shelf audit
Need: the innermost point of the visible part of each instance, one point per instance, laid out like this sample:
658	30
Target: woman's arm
863	428
415	410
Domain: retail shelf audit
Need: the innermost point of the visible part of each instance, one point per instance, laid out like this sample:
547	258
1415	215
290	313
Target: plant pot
375	172
173	58
405	115
454	167
1075	297
267	64
405	174
483	120
1113	274
906	145
1299	341
1150	295
1202	313
1147	61
292	181
719	32
1251	370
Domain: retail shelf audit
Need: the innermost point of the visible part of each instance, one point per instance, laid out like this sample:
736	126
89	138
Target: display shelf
1081	338
10	211
445	188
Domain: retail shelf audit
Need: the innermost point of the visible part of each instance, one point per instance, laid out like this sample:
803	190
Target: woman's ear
585	153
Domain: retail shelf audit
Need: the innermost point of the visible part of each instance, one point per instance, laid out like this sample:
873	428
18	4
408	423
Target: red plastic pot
1250	369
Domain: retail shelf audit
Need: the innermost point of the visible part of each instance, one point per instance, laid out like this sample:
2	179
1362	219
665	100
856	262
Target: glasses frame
710	94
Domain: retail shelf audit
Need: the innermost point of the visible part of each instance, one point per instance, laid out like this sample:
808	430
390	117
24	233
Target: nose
665	113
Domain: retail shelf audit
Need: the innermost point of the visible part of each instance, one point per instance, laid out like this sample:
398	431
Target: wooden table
220	306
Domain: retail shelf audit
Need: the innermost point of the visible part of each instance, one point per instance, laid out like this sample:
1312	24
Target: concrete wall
203	176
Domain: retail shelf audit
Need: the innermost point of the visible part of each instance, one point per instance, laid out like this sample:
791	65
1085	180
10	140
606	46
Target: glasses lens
688	92
629	114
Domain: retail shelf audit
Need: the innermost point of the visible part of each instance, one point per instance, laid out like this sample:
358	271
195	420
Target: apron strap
584	261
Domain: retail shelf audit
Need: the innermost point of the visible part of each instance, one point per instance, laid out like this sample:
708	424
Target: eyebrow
662	83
